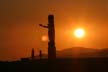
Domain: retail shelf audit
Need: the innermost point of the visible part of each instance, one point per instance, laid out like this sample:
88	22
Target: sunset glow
77	23
79	33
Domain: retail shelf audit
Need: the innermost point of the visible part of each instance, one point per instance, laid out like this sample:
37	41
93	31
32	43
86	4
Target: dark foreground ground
59	65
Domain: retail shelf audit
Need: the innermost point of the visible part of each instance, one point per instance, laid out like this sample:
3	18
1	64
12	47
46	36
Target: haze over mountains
81	52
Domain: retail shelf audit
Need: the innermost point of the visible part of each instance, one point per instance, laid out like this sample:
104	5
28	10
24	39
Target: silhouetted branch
43	26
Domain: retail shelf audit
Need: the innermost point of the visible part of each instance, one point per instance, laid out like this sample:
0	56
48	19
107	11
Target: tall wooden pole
51	35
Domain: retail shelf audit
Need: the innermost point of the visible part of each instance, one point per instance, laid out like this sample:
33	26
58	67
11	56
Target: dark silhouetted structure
32	54
40	55
51	35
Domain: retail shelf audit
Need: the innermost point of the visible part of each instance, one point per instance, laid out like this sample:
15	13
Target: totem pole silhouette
51	35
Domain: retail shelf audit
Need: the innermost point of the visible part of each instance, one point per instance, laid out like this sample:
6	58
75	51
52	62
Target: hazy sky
19	30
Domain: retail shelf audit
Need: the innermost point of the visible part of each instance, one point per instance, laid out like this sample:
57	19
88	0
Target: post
40	55
51	35
32	54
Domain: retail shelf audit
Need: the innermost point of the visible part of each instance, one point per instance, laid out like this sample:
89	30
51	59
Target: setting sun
79	33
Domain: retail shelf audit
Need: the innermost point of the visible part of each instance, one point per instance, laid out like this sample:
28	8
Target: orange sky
19	30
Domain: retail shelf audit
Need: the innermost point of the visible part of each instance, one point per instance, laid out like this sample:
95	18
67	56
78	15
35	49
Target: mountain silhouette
103	52
81	52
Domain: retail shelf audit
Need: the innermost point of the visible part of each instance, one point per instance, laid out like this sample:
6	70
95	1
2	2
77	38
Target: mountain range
81	52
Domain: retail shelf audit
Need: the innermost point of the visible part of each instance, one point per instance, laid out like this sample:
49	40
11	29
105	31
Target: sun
79	33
